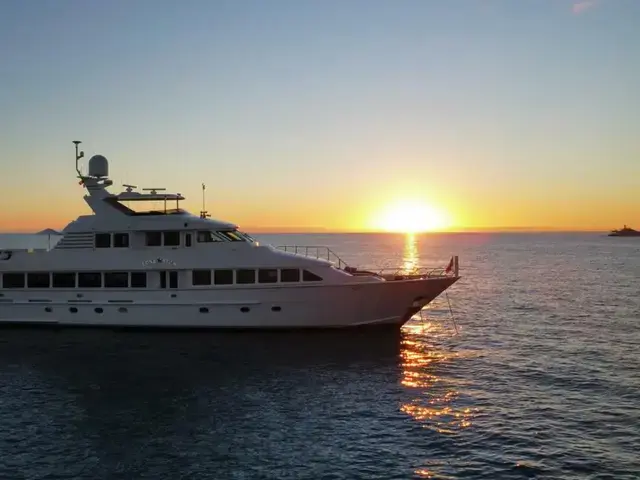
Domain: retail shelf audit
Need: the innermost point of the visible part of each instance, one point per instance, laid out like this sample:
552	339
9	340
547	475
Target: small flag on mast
449	267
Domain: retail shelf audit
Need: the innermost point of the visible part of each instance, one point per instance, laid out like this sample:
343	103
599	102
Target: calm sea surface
542	381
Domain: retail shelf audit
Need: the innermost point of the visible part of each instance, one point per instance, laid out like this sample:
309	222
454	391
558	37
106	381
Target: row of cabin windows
68	280
139	279
248	276
168	239
172	239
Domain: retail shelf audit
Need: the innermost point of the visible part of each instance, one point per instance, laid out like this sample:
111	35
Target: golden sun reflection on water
435	405
410	255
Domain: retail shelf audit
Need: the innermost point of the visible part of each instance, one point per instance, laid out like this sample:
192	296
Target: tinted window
245	276
268	275
247	236
308	276
38	280
223	277
171	239
290	275
103	240
121	240
187	239
138	279
13	280
63	280
116	280
153	239
207	237
89	280
201	277
234	237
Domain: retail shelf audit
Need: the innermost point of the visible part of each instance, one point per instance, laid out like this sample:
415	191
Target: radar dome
98	166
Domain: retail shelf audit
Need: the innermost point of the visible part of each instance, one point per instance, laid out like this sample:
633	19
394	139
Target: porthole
98	310
245	309
122	310
276	309
73	310
48	309
204	310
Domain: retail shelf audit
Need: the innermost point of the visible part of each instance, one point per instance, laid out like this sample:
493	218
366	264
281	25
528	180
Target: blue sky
330	102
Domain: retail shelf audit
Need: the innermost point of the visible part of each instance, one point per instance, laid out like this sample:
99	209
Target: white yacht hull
364	304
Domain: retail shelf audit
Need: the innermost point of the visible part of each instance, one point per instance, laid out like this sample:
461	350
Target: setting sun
411	217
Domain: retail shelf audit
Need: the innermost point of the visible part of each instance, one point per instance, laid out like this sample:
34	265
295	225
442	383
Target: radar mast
203	212
79	155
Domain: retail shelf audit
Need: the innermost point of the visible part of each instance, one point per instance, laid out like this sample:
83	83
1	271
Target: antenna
203	213
79	155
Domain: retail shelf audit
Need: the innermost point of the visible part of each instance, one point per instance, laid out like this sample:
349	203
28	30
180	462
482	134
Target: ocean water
541	380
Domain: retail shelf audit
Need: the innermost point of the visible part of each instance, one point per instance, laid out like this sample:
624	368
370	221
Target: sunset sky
328	114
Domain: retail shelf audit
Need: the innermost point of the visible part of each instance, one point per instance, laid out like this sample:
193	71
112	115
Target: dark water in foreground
543	381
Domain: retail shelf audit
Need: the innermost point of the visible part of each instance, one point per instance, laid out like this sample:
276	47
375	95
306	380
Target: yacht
624	232
128	265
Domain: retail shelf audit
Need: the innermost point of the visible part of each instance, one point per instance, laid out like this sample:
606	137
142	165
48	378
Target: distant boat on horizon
624	232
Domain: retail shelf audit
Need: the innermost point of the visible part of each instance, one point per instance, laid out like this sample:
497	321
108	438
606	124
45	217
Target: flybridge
148	195
96	180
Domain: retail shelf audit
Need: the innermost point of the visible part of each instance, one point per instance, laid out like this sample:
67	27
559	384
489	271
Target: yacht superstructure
127	266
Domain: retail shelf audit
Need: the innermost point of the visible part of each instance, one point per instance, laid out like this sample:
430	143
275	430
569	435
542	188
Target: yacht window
121	240
201	277
89	280
13	280
138	279
171	239
290	275
308	276
233	236
187	239
207	237
268	275
38	280
153	239
247	237
63	280
245	276
103	240
116	279
223	277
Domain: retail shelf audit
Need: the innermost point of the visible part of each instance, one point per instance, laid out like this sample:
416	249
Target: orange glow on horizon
368	211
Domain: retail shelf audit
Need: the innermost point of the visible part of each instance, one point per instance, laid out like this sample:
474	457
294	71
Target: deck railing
390	273
313	251
325	253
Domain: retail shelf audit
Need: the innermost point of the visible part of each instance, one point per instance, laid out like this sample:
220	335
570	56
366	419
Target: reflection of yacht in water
624	232
164	267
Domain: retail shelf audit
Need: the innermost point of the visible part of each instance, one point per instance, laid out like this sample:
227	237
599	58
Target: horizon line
321	230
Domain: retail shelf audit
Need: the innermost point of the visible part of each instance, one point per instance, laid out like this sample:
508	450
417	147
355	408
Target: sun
411	216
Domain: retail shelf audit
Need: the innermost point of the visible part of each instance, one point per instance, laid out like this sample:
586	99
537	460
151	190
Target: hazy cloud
583	6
